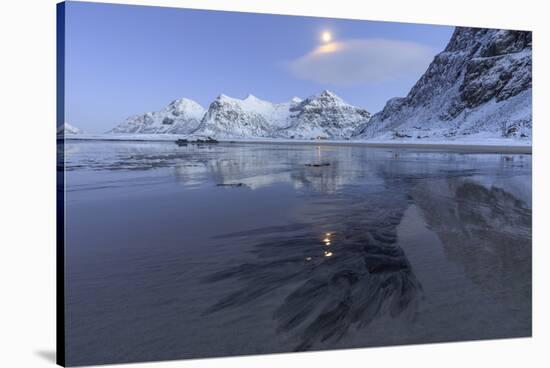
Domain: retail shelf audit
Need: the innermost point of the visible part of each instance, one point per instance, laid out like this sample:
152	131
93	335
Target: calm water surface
199	251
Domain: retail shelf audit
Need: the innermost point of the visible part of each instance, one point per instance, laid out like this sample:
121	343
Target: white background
27	195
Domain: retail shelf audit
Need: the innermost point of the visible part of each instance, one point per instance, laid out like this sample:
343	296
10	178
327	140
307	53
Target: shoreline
493	146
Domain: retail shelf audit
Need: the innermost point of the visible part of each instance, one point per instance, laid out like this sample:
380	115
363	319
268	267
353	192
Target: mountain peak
479	85
324	98
321	115
327	93
184	103
180	116
67	128
180	100
251	97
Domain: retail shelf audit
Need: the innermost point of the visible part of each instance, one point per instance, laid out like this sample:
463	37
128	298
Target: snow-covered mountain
251	117
324	115
67	128
480	85
181	116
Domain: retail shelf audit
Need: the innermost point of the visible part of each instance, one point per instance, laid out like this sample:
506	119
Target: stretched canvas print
237	183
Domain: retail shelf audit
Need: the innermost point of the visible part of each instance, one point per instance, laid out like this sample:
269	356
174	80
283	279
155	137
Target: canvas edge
60	184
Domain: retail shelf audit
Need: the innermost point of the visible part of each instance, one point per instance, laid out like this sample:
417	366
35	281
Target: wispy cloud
362	61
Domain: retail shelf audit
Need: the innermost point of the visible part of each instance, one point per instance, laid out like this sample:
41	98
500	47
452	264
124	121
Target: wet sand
168	248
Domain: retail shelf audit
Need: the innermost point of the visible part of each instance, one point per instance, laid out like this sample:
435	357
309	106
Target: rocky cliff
480	85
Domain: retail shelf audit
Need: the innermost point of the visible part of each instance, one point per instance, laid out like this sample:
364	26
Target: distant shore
489	145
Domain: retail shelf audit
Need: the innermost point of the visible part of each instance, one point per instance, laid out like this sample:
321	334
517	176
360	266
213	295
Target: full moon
326	36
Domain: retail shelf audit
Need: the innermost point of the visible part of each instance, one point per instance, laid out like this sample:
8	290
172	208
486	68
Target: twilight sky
122	60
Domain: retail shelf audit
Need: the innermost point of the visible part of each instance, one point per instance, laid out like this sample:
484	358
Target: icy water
230	249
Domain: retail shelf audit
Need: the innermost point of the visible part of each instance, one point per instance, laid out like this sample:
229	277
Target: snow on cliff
67	128
324	115
479	86
181	116
231	117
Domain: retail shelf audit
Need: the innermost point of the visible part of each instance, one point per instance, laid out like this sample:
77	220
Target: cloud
362	61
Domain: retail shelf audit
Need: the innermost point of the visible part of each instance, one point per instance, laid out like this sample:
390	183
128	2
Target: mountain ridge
180	116
324	115
479	85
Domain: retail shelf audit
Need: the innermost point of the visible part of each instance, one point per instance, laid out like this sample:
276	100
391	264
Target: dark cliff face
477	67
481	61
493	74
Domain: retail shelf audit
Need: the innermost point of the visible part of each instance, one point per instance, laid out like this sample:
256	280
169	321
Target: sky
122	60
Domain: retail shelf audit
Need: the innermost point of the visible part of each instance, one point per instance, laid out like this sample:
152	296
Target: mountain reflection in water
485	230
195	251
